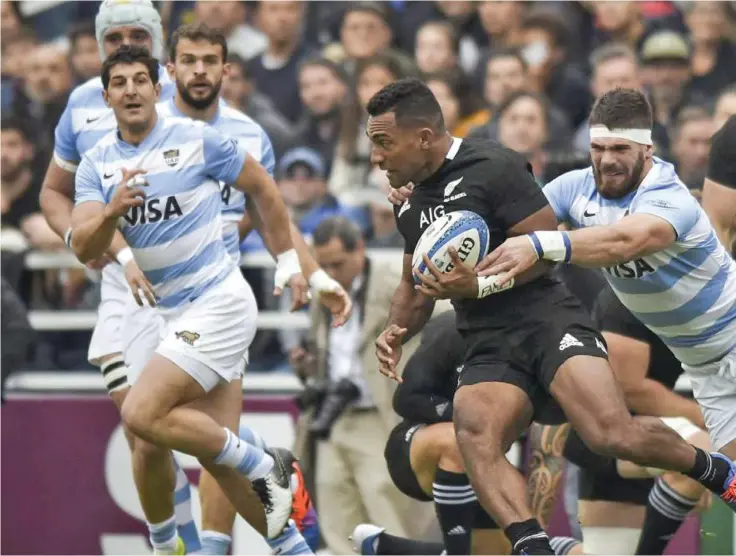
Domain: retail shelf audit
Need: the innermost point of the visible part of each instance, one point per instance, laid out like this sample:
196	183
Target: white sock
163	535
250	460
214	543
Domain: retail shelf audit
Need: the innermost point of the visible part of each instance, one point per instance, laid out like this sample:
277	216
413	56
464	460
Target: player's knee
137	417
473	431
450	457
144	450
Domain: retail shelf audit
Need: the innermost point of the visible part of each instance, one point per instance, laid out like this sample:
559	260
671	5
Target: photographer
347	411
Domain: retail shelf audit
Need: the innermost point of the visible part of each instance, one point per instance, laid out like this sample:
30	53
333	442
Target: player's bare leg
588	392
156	409
489	417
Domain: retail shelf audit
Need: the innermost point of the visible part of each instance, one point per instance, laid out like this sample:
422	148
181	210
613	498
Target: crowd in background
522	73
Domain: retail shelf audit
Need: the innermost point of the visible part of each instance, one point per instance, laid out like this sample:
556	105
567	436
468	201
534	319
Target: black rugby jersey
431	373
611	315
496	183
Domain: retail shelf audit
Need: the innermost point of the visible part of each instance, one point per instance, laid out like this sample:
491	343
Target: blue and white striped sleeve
87	184
65	143
223	157
268	158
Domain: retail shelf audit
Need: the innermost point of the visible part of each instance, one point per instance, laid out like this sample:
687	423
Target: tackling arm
719	203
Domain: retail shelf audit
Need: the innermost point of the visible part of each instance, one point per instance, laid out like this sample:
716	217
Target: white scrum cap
132	13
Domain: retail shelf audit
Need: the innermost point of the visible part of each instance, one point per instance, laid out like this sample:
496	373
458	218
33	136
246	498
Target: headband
641	136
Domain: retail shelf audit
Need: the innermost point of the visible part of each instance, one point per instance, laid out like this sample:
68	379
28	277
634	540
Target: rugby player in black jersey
719	189
522	345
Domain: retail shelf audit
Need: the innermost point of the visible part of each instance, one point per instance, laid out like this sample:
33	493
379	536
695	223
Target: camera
336	399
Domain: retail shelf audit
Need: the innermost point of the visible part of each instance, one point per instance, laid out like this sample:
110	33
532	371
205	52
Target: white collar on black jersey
456	142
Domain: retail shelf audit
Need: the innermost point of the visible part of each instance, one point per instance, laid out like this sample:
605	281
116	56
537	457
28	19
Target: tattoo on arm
546	468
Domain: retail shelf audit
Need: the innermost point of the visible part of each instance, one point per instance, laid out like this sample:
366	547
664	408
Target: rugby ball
464	230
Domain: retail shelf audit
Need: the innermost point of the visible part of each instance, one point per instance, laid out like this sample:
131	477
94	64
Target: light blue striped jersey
686	293
87	118
253	139
176	237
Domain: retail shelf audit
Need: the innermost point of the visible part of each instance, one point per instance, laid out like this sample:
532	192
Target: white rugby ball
464	230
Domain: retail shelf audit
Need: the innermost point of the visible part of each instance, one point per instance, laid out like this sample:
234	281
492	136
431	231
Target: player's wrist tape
320	281
552	246
124	256
68	238
287	263
488	285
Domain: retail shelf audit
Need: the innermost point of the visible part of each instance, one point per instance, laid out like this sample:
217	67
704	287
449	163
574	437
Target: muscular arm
93	230
630	238
259	186
253	219
56	198
410	309
719	203
546	468
630	362
57	205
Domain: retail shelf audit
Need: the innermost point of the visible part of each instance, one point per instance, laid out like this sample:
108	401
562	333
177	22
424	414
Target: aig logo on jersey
171	157
154	210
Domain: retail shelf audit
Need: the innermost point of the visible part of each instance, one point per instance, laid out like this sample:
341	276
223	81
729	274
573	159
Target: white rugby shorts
714	388
141	334
209	337
114	294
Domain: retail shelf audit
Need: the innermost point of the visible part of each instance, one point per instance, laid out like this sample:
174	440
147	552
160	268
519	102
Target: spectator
462	107
84	53
21	187
665	61
501	21
274	71
613	65
365	32
544	36
463	16
239	92
230	17
383	233
619	22
437	47
691	145
523	125
48	81
14	55
11	26
713	54
352	166
725	107
322	90
353	484
505	72
17	335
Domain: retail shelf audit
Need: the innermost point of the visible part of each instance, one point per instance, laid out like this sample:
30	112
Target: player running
175	231
719	189
517	356
84	122
197	66
632	216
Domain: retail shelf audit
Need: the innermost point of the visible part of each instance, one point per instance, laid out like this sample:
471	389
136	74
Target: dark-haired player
522	345
633	217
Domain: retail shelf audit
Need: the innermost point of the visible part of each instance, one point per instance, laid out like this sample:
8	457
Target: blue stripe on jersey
698	305
187	295
186	159
156	233
250	136
666	276
691	341
207	256
688	297
232	240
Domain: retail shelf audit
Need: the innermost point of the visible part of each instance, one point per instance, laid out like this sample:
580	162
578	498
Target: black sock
527	537
456	506
391	545
710	470
666	510
563	545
